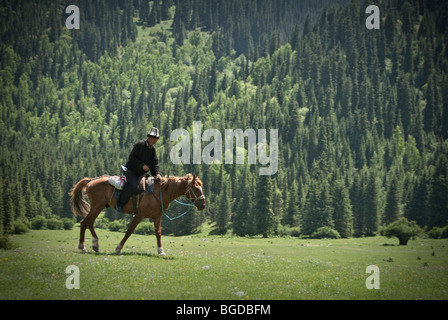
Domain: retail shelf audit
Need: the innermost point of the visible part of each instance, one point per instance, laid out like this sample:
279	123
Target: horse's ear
194	177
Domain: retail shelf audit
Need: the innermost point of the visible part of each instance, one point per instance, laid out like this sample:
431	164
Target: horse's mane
168	181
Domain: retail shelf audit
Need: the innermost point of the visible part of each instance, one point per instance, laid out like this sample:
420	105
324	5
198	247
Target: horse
100	194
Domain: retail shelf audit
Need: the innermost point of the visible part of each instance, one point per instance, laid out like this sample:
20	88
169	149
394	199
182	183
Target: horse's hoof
82	247
161	252
95	245
118	249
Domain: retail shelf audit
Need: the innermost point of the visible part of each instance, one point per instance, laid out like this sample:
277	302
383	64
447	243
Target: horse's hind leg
84	224
88	222
94	214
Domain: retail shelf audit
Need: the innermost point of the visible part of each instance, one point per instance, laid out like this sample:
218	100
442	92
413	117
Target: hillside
362	115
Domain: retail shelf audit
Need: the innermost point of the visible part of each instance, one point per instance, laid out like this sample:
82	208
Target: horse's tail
79	205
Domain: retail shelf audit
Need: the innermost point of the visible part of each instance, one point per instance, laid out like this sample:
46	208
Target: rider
143	158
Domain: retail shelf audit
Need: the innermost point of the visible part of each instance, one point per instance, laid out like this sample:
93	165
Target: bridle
191	205
190	190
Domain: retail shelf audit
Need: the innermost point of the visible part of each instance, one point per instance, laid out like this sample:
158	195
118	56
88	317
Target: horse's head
195	194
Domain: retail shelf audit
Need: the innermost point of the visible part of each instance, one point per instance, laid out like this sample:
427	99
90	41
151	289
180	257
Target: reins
191	205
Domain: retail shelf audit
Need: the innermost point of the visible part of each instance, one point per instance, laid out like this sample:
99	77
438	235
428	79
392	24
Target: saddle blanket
118	183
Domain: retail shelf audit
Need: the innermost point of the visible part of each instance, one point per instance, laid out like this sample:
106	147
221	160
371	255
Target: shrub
325	232
102	223
38	223
54	224
5	242
116	225
20	227
67	223
438	233
285	231
444	234
145	228
295	232
403	230
435	233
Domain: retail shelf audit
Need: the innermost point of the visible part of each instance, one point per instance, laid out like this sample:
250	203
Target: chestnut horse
100	194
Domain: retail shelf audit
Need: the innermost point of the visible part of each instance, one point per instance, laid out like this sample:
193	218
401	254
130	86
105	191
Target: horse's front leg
158	231
130	230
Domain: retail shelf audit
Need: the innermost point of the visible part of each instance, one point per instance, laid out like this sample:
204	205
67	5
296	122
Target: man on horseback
143	158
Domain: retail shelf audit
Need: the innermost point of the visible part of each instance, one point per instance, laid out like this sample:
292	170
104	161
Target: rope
191	205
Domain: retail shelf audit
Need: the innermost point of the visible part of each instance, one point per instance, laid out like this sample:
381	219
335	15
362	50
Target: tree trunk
403	240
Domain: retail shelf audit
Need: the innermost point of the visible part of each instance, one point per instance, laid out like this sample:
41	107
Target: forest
362	114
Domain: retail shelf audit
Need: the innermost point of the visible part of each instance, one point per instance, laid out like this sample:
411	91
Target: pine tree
179	111
213	82
292	214
357	199
438	200
307	27
392	211
342	214
224	208
8	213
2	215
264	213
405	102
348	106
371	204
417	209
318	209
241	222
309	224
156	14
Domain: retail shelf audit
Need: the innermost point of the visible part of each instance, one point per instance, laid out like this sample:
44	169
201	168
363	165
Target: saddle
145	186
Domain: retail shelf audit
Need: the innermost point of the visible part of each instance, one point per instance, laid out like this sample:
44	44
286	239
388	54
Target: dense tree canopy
361	114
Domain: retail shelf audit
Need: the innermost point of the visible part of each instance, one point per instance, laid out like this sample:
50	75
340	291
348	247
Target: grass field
222	268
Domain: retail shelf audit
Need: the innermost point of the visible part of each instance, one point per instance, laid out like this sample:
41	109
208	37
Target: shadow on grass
130	254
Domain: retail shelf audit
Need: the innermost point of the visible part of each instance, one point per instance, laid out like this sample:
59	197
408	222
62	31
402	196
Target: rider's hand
145	168
158	177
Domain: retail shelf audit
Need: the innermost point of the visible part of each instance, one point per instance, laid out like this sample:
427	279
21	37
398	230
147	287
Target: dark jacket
142	154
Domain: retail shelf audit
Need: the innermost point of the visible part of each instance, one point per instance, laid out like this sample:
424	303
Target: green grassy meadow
206	267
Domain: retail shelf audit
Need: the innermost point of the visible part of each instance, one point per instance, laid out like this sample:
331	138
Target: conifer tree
318	210
156	14
372	204
224	208
405	102
8	214
392	210
241	224
357	199
417	209
292	213
367	110
342	214
264	213
438	200
2	213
